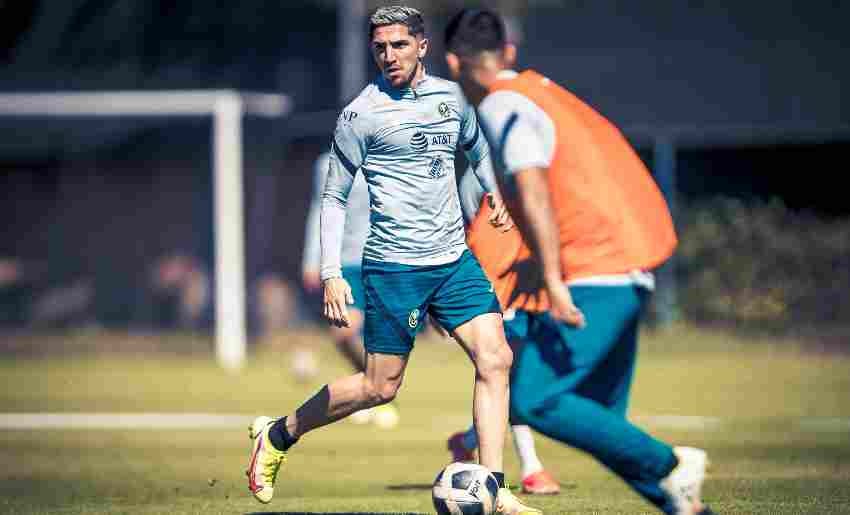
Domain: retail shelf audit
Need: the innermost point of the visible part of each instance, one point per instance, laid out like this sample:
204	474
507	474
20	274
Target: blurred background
108	217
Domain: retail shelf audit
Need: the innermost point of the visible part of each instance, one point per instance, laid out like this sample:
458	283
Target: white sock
524	444
470	438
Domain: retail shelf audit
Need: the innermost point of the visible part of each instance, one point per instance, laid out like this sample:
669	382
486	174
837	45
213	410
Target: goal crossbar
227	108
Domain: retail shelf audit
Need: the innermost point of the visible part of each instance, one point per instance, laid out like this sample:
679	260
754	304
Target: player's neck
418	76
408	89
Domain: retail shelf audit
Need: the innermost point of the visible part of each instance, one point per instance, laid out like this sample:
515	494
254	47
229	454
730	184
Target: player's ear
509	55
453	62
423	48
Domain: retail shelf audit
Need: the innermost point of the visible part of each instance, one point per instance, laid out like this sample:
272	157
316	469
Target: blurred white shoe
386	416
684	483
361	417
304	365
508	504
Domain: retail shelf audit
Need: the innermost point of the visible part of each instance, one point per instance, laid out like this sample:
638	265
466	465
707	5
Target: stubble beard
408	82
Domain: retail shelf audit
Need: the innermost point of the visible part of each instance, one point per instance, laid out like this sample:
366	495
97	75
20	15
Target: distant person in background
10	271
595	225
14	292
180	289
348	340
31	297
66	305
277	303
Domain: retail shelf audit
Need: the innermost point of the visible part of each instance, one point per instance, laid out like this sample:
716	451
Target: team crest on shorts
444	110
413	319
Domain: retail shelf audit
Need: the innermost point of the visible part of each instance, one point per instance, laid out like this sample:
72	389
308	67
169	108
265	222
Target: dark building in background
747	98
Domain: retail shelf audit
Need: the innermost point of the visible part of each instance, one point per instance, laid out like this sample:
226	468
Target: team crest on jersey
444	110
413	319
419	142
436	169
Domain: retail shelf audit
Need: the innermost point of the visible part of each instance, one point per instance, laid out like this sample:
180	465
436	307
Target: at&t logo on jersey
436	169
419	142
442	139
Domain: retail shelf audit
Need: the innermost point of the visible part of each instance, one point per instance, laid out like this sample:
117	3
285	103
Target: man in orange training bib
595	225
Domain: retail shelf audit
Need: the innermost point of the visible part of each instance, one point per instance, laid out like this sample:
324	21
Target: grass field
778	433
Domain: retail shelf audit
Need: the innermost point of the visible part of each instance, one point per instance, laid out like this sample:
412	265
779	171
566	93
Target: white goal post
227	108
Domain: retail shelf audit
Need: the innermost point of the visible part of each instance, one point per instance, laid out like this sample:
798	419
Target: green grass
763	460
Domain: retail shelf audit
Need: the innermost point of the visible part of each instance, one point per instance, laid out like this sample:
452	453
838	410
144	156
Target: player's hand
311	280
562	306
499	218
337	296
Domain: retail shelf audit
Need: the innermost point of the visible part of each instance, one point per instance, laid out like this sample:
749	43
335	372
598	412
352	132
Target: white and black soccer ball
465	489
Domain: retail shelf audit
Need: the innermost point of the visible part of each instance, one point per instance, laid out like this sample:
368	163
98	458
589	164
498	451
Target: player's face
397	53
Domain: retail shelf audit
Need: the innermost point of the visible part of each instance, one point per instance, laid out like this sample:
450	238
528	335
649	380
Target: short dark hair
472	31
397	14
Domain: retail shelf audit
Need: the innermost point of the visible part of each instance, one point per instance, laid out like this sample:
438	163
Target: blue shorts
596	362
399	296
353	275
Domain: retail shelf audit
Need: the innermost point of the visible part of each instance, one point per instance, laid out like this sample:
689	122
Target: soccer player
347	339
401	133
597	225
496	248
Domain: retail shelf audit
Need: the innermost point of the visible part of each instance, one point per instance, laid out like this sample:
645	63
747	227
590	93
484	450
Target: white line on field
121	421
233	421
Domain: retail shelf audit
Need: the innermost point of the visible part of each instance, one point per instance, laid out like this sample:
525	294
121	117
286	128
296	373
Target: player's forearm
537	222
332	218
332	224
483	170
310	258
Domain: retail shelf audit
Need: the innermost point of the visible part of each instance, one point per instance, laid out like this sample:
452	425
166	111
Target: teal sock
280	437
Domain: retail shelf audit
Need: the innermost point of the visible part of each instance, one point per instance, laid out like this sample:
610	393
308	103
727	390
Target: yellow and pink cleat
265	460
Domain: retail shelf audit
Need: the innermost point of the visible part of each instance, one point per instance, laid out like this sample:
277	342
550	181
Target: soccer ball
465	489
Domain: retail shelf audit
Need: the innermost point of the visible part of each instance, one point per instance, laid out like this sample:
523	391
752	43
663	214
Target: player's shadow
424	486
410	486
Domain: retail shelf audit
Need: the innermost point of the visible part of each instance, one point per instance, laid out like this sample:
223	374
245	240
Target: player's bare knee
380	392
494	361
387	393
